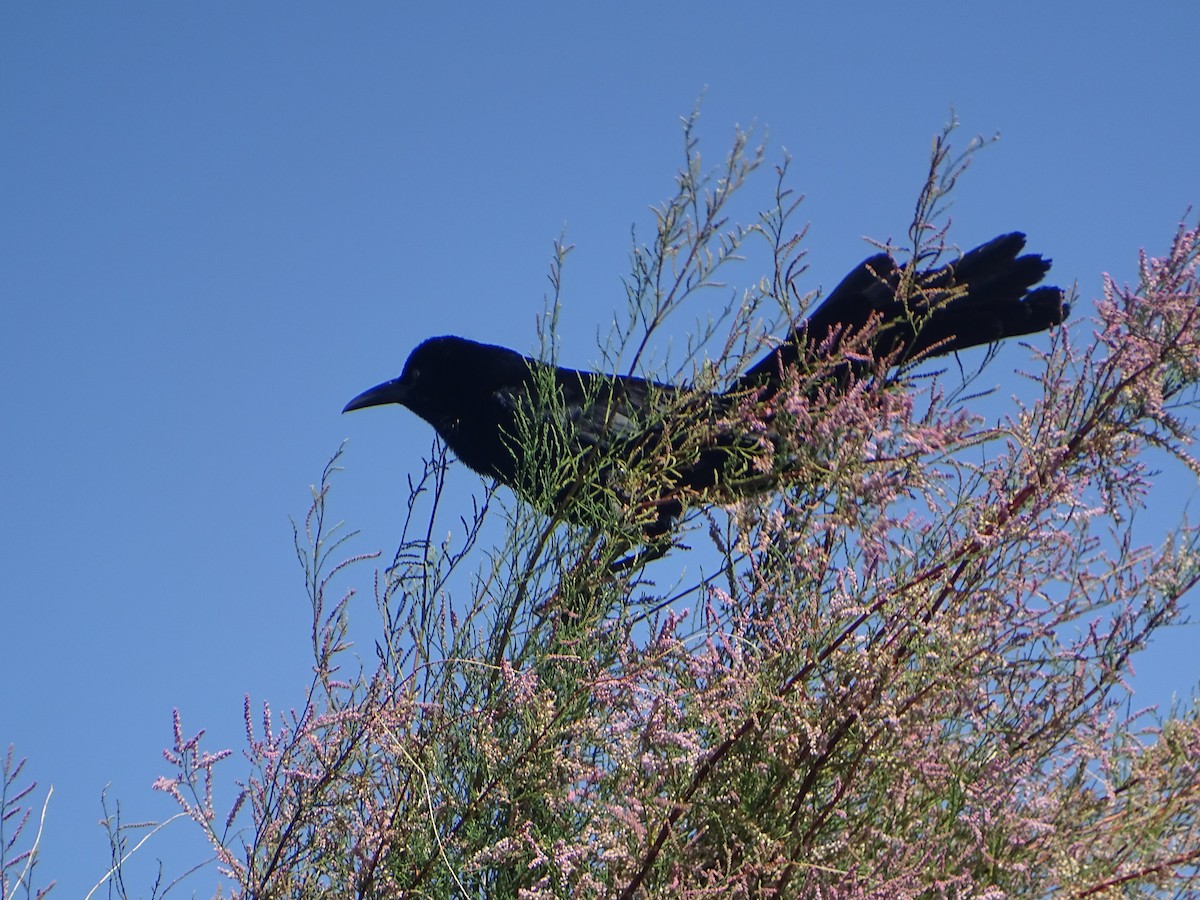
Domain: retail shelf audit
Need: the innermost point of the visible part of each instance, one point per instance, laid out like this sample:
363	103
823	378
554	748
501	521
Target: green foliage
898	673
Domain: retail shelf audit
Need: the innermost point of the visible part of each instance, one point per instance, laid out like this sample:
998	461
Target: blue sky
217	224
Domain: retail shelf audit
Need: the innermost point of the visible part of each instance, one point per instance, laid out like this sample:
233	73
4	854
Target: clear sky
220	222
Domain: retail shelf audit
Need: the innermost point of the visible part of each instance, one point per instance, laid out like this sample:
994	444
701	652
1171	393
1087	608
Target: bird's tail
986	295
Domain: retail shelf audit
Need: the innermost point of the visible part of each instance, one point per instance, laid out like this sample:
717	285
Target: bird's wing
606	411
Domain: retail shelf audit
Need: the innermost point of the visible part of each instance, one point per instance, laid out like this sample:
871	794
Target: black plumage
580	442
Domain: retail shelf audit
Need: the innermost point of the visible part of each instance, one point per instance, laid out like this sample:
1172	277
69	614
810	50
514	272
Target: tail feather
986	295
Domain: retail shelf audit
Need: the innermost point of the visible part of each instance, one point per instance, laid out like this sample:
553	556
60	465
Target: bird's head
446	377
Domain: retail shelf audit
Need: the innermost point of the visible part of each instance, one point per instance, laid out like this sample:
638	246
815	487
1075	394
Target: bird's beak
389	392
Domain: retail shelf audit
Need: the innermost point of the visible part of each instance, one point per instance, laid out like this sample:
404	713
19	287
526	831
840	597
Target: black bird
579	443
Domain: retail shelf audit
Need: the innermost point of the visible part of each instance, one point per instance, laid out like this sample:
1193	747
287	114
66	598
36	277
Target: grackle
579	443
